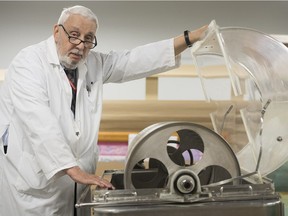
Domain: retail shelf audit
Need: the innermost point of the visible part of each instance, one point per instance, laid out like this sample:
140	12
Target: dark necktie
72	76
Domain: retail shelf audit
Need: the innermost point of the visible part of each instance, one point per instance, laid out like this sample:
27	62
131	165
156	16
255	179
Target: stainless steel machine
184	168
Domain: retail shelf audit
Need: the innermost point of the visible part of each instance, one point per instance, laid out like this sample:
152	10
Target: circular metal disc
172	144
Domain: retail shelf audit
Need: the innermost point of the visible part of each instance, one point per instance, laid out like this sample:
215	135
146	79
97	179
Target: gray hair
78	9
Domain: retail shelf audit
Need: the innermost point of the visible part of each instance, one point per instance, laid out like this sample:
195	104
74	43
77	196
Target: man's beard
68	63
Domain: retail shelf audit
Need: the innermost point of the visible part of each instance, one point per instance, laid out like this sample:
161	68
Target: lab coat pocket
32	177
94	95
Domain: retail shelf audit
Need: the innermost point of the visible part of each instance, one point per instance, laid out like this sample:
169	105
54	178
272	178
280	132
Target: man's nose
81	46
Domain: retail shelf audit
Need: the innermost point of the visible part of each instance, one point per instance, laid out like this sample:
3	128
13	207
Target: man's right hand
82	177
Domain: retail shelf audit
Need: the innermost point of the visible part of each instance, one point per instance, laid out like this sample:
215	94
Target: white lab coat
44	138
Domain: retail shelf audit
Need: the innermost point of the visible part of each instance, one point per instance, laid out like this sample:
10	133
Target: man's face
70	55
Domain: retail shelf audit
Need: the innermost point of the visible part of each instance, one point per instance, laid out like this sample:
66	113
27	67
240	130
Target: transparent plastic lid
255	119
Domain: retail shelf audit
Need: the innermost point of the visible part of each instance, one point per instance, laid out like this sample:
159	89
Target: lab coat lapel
82	71
53	60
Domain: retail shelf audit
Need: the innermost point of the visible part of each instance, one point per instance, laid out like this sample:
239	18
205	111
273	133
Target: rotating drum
181	156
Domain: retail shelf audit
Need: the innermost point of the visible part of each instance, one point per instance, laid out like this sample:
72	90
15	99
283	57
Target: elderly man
50	109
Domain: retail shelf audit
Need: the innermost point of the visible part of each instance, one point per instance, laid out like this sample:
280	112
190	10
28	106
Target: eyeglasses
76	41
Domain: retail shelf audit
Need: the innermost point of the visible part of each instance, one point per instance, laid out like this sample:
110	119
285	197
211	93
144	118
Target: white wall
124	25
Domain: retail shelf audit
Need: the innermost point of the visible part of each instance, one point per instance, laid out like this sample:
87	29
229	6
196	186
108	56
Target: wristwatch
187	40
